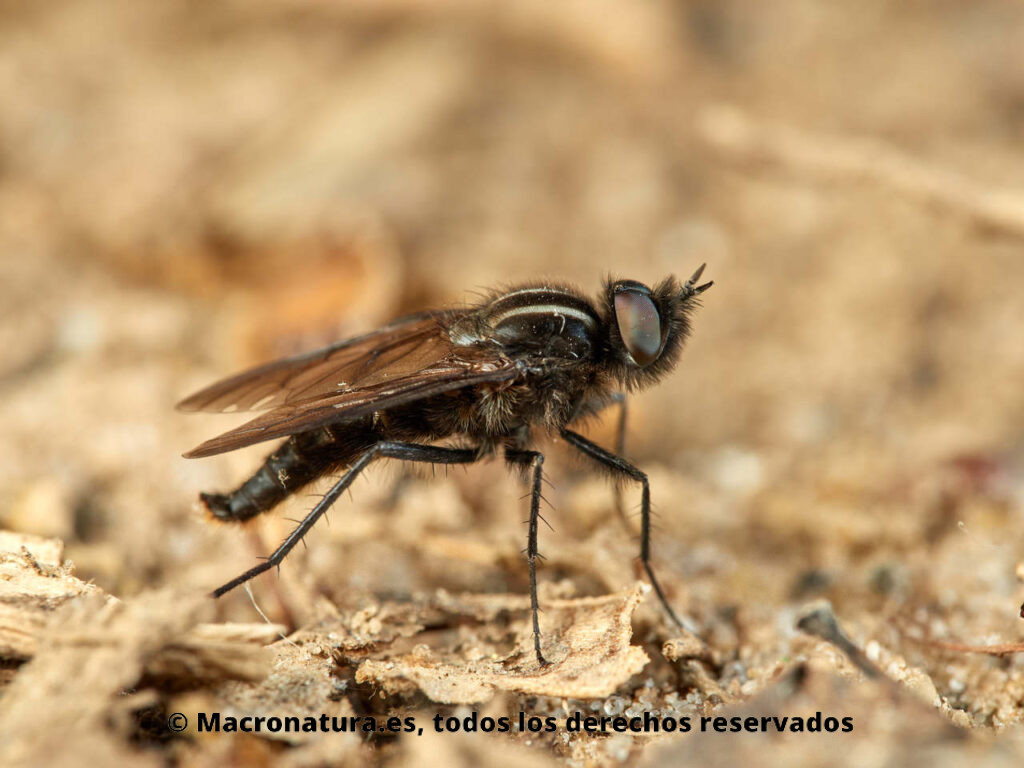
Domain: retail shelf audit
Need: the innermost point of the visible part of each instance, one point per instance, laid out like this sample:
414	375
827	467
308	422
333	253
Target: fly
537	356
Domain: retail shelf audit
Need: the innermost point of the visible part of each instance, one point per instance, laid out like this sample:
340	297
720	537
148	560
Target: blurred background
190	188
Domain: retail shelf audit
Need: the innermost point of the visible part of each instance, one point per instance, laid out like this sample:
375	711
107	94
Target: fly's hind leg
428	454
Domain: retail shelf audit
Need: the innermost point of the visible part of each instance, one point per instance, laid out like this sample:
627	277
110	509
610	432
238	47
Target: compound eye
639	326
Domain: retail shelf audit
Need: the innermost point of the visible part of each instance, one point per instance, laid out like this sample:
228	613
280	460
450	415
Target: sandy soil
837	463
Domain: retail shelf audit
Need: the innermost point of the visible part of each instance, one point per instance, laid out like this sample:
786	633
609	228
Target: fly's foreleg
624	469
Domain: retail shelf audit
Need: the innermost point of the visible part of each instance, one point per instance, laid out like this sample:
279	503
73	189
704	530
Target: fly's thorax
549	322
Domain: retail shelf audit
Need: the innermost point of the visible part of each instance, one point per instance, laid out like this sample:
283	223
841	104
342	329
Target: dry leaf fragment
587	640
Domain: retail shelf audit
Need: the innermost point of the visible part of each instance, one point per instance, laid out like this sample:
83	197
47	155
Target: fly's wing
399	364
445	376
403	347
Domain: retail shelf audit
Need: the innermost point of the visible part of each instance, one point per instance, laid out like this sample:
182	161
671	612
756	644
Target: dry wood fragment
45	551
34	582
91	651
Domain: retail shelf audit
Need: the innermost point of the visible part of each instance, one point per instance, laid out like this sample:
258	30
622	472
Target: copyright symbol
177	722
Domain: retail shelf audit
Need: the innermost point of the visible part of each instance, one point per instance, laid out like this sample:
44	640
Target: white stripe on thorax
531	290
559	310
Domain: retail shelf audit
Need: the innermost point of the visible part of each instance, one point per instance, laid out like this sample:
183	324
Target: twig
999	649
735	134
821	621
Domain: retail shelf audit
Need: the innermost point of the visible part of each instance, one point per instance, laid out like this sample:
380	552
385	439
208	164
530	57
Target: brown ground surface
190	188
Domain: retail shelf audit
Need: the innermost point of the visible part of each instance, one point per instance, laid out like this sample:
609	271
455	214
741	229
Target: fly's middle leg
534	461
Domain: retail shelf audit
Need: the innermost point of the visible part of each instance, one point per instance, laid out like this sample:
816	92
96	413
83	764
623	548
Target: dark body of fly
534	356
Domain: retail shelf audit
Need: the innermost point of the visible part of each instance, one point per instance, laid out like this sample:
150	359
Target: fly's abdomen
299	461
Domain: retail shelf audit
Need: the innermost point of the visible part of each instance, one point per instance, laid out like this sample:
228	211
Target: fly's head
646	327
